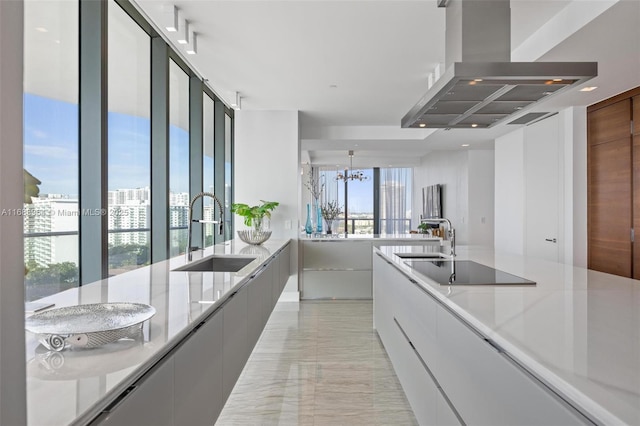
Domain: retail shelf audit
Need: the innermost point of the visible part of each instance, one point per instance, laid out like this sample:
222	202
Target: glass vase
319	219
308	227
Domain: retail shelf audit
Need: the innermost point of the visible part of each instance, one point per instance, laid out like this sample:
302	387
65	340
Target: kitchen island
563	351
338	266
183	366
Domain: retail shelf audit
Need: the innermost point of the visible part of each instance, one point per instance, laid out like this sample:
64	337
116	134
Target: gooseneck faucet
192	220
451	232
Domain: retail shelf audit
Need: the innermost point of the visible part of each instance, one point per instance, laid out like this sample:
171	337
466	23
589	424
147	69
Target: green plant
253	214
423	227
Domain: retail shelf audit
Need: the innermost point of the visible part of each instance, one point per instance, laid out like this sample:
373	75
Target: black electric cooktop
464	272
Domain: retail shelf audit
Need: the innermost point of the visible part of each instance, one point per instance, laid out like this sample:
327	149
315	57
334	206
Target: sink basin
218	263
433	255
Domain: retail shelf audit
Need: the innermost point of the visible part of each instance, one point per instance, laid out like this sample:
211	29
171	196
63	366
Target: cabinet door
418	318
148	403
445	415
486	388
285	267
234	340
258	305
198	375
610	189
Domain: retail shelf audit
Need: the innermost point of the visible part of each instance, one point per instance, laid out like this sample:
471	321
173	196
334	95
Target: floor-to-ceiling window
395	200
228	176
208	172
121	135
178	158
356	199
50	146
129	147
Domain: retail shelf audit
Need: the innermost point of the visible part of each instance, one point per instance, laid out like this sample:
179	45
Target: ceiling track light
192	47
184	34
237	102
171	18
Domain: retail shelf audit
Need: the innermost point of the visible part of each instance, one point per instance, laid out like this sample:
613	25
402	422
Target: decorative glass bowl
251	236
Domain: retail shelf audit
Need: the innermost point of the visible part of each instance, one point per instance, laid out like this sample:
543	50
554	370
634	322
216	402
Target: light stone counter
370	237
72	386
577	330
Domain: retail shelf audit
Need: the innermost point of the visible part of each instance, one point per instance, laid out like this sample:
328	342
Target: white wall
267	167
449	169
509	192
481	197
510	187
13	407
576	208
467	179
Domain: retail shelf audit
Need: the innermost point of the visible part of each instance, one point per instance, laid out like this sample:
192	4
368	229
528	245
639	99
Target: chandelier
349	174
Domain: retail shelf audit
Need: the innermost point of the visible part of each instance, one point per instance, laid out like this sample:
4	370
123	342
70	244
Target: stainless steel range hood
474	93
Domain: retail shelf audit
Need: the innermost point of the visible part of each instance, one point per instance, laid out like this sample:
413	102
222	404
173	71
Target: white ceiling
287	55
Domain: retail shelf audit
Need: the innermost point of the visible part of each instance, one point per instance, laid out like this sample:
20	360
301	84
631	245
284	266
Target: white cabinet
198	375
449	372
418	386
336	269
149	402
342	269
486	387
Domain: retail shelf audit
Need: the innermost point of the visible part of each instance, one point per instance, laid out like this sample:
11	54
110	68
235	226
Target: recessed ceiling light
423	125
42	29
557	79
474	125
477	79
588	88
465	145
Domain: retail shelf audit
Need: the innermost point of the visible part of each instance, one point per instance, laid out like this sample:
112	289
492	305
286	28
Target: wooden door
610	189
636	185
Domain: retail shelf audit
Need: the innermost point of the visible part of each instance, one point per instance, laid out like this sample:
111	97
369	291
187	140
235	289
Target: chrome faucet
451	232
192	220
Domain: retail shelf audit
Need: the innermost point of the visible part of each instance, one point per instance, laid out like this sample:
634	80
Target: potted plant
330	211
253	217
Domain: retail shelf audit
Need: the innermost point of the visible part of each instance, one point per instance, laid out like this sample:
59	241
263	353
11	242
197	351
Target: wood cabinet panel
636	115
636	200
609	123
610	195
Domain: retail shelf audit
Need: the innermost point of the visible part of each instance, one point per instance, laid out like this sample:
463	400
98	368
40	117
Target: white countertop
368	237
74	385
577	330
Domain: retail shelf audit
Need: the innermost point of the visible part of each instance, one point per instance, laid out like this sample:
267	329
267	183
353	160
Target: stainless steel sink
218	263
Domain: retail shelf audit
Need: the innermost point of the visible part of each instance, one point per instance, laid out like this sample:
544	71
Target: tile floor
318	363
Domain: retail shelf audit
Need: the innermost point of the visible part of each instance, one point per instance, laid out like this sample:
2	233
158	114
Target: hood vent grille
484	94
473	94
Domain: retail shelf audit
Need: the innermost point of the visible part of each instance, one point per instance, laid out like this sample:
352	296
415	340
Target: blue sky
51	148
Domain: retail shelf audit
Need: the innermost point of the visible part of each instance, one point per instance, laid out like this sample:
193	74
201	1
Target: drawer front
488	389
336	285
418	319
337	255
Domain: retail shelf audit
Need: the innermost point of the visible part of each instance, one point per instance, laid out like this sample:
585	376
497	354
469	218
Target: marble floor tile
318	363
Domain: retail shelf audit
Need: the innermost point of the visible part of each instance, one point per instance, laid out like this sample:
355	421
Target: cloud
54	152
